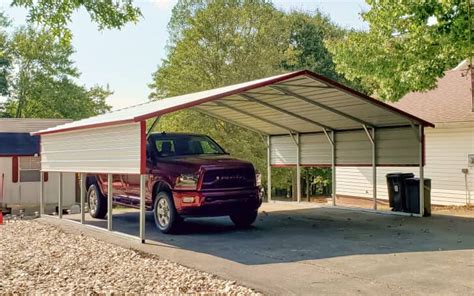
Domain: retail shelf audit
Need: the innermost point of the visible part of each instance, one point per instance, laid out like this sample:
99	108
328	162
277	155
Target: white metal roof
28	125
297	102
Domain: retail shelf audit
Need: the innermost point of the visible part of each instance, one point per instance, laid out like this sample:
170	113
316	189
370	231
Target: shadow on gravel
305	234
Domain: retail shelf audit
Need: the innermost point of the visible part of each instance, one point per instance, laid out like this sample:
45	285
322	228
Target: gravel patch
41	259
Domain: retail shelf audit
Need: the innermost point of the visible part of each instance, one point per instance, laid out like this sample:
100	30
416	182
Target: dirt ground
42	259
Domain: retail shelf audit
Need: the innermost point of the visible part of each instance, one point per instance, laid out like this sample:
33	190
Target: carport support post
371	136
332	142
374	168
142	208
41	196
109	201
422	173
60	197
298	168
83	196
269	169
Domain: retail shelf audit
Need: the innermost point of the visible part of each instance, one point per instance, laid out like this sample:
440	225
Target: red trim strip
343	165
143	147
45	176
15	169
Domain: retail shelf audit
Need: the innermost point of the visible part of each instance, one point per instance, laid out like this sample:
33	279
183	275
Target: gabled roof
449	102
300	102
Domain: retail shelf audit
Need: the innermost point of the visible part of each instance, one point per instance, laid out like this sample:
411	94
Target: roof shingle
449	102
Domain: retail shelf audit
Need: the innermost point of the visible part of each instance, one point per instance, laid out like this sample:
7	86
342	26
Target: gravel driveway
41	259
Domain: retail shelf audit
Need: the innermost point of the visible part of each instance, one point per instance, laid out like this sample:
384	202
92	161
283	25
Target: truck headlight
187	181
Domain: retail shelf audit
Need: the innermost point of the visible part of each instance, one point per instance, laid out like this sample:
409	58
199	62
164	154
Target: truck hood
205	161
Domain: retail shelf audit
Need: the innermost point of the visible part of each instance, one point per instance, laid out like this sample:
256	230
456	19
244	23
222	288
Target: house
449	151
20	167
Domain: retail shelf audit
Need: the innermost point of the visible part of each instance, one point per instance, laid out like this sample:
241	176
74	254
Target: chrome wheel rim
92	202
163	212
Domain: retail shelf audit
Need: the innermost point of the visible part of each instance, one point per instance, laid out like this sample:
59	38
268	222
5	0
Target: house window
30	169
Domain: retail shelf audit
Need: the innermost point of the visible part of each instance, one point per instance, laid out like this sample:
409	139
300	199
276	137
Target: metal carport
307	119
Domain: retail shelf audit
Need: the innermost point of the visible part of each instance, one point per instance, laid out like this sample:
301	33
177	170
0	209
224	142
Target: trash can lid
409	175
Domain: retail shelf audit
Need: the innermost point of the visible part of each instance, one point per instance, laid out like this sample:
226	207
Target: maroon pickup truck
188	175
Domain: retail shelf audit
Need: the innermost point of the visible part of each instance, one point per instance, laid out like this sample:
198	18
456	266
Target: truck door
118	186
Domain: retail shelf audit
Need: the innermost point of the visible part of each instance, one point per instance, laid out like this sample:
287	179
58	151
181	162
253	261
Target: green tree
218	43
55	15
408	47
41	79
308	34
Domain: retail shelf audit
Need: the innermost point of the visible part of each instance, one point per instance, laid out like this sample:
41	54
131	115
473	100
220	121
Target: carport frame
83	189
245	91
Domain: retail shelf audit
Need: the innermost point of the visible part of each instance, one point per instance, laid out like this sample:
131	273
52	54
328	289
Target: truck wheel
97	202
244	218
166	217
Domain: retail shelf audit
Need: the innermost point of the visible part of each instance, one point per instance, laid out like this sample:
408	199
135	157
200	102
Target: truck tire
164	212
97	202
244	219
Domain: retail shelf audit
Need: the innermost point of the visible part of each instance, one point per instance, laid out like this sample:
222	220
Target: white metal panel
315	149
283	150
27	125
353	148
111	149
446	155
397	146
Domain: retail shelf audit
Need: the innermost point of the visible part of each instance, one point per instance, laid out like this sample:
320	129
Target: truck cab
188	175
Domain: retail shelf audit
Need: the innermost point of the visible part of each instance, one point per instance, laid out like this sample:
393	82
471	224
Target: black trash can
396	190
412	193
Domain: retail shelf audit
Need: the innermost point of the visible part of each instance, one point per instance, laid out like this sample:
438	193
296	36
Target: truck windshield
178	145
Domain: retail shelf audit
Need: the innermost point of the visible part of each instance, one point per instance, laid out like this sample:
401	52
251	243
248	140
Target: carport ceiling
296	102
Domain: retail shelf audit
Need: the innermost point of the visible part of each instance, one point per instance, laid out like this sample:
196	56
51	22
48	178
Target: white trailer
20	165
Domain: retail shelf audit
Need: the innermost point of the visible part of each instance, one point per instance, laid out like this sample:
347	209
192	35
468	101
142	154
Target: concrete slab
304	250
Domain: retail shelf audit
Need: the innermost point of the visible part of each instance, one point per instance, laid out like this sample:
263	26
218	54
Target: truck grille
229	178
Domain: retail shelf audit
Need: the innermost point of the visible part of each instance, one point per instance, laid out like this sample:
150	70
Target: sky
125	59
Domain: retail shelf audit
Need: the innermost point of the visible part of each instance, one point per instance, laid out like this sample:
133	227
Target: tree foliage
55	15
217	43
40	79
408	47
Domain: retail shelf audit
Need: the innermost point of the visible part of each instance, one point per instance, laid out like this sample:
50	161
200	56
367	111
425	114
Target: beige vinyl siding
112	149
447	150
